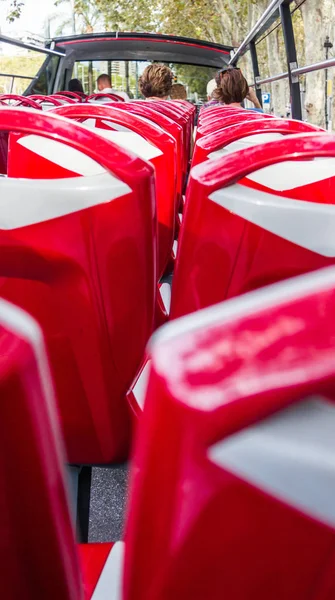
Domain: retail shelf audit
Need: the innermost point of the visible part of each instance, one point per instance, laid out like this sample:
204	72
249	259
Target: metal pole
291	54
255	68
266	16
8	40
327	45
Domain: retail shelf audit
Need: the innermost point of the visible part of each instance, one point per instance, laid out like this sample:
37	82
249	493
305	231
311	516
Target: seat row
233	473
86	264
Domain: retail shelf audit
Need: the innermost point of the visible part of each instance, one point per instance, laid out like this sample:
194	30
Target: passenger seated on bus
211	86
104	86
233	89
178	92
156	82
75	85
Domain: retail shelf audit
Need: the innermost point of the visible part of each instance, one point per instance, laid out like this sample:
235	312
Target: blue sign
266	98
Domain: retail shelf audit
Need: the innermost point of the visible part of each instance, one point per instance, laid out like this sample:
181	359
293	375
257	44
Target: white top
108	90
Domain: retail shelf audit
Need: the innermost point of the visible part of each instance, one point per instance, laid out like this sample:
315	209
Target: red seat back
101	97
80	255
219	122
37	550
145	110
151	143
246	134
253	217
16	100
233	476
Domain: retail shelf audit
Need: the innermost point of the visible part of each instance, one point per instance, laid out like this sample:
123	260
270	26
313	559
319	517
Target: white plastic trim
289	455
165	292
311	225
247	304
140	387
131	141
245	142
109	586
28	201
289	175
61	154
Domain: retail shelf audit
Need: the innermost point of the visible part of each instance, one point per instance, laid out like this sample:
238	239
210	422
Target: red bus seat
47	102
37	550
180	117
80	255
151	143
246	134
145	110
39	557
219	122
233	475
254	217
16	100
102	98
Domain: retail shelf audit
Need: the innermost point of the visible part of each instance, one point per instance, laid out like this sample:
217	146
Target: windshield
125	75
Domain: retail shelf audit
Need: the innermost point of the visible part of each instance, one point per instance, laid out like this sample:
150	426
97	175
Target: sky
33	17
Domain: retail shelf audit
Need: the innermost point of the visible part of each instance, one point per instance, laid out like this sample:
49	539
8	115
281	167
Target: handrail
8	40
324	64
17	76
272	79
266	16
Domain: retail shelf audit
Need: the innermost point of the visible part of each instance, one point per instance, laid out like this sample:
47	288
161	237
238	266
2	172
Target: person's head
178	92
233	86
103	81
156	81
211	86
75	85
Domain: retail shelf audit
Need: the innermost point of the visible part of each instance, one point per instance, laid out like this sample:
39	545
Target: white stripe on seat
311	225
165	292
131	141
245	142
28	201
140	387
109	586
289	175
290	455
62	155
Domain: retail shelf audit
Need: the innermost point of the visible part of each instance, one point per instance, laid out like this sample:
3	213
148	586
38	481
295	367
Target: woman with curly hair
156	82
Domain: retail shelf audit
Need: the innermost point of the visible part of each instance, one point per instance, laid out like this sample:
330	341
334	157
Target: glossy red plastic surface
220	253
20	100
37	551
80	96
144	109
92	559
89	278
164	164
65	99
221	138
41	99
178	115
210	532
101	96
219	122
212	112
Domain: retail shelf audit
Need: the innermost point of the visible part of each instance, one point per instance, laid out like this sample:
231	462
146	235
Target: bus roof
143	46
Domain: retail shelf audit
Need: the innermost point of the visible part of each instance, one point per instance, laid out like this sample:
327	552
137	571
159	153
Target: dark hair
156	80
178	92
233	86
75	85
105	80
